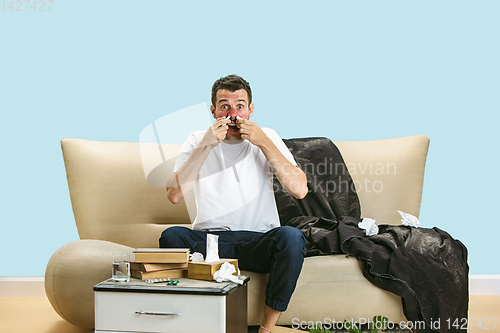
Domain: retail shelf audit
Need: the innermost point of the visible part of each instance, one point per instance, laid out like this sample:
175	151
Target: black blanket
427	268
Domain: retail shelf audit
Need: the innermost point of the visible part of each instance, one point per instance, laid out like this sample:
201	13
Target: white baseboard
34	286
22	286
484	284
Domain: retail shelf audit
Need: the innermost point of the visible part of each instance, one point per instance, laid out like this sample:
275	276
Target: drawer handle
157	313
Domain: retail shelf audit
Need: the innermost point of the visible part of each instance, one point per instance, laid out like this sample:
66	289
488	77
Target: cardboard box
202	270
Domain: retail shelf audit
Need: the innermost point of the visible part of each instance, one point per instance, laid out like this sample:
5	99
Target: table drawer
133	312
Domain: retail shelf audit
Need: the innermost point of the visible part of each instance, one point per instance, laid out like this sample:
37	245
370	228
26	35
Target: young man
230	166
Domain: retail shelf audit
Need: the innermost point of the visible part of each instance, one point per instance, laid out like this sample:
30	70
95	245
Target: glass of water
121	267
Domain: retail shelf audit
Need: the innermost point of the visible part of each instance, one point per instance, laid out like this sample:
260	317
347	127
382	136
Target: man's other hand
252	132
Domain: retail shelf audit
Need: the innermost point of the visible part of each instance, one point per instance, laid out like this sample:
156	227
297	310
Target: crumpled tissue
197	256
369	226
212	248
409	220
225	273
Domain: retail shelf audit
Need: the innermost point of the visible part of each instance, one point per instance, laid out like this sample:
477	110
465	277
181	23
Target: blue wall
347	70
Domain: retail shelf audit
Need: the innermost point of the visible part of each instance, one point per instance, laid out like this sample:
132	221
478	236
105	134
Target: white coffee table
189	306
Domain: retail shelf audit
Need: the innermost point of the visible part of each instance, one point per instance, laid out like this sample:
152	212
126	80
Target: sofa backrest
389	175
112	200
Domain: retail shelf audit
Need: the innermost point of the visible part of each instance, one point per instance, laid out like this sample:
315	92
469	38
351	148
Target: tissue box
201	270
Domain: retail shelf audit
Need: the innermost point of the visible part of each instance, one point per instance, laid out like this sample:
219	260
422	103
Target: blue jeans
279	252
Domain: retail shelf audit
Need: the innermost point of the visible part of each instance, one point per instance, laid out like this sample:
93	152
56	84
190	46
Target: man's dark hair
232	83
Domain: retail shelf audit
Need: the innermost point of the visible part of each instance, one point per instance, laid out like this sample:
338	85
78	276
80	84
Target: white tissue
225	273
197	256
238	117
369	226
212	248
409	220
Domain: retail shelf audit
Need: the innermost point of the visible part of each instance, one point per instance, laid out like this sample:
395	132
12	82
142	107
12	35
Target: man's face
232	104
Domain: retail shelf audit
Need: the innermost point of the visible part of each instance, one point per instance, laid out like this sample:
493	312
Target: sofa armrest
71	274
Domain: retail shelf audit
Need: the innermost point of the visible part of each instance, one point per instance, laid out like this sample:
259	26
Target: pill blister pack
158	280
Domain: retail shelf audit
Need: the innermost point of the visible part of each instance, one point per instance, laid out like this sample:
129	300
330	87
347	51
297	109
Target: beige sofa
116	210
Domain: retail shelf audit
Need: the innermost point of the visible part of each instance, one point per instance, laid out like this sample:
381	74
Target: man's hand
252	132
216	133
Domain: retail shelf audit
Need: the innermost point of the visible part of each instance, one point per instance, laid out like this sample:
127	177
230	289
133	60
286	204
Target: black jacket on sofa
427	268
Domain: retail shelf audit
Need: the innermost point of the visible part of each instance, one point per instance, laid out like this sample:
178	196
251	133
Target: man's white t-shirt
234	188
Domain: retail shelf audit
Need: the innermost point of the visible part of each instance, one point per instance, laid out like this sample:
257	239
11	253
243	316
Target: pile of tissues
225	273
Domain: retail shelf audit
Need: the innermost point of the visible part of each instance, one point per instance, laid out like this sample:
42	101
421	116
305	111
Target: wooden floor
35	315
32	314
484	313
